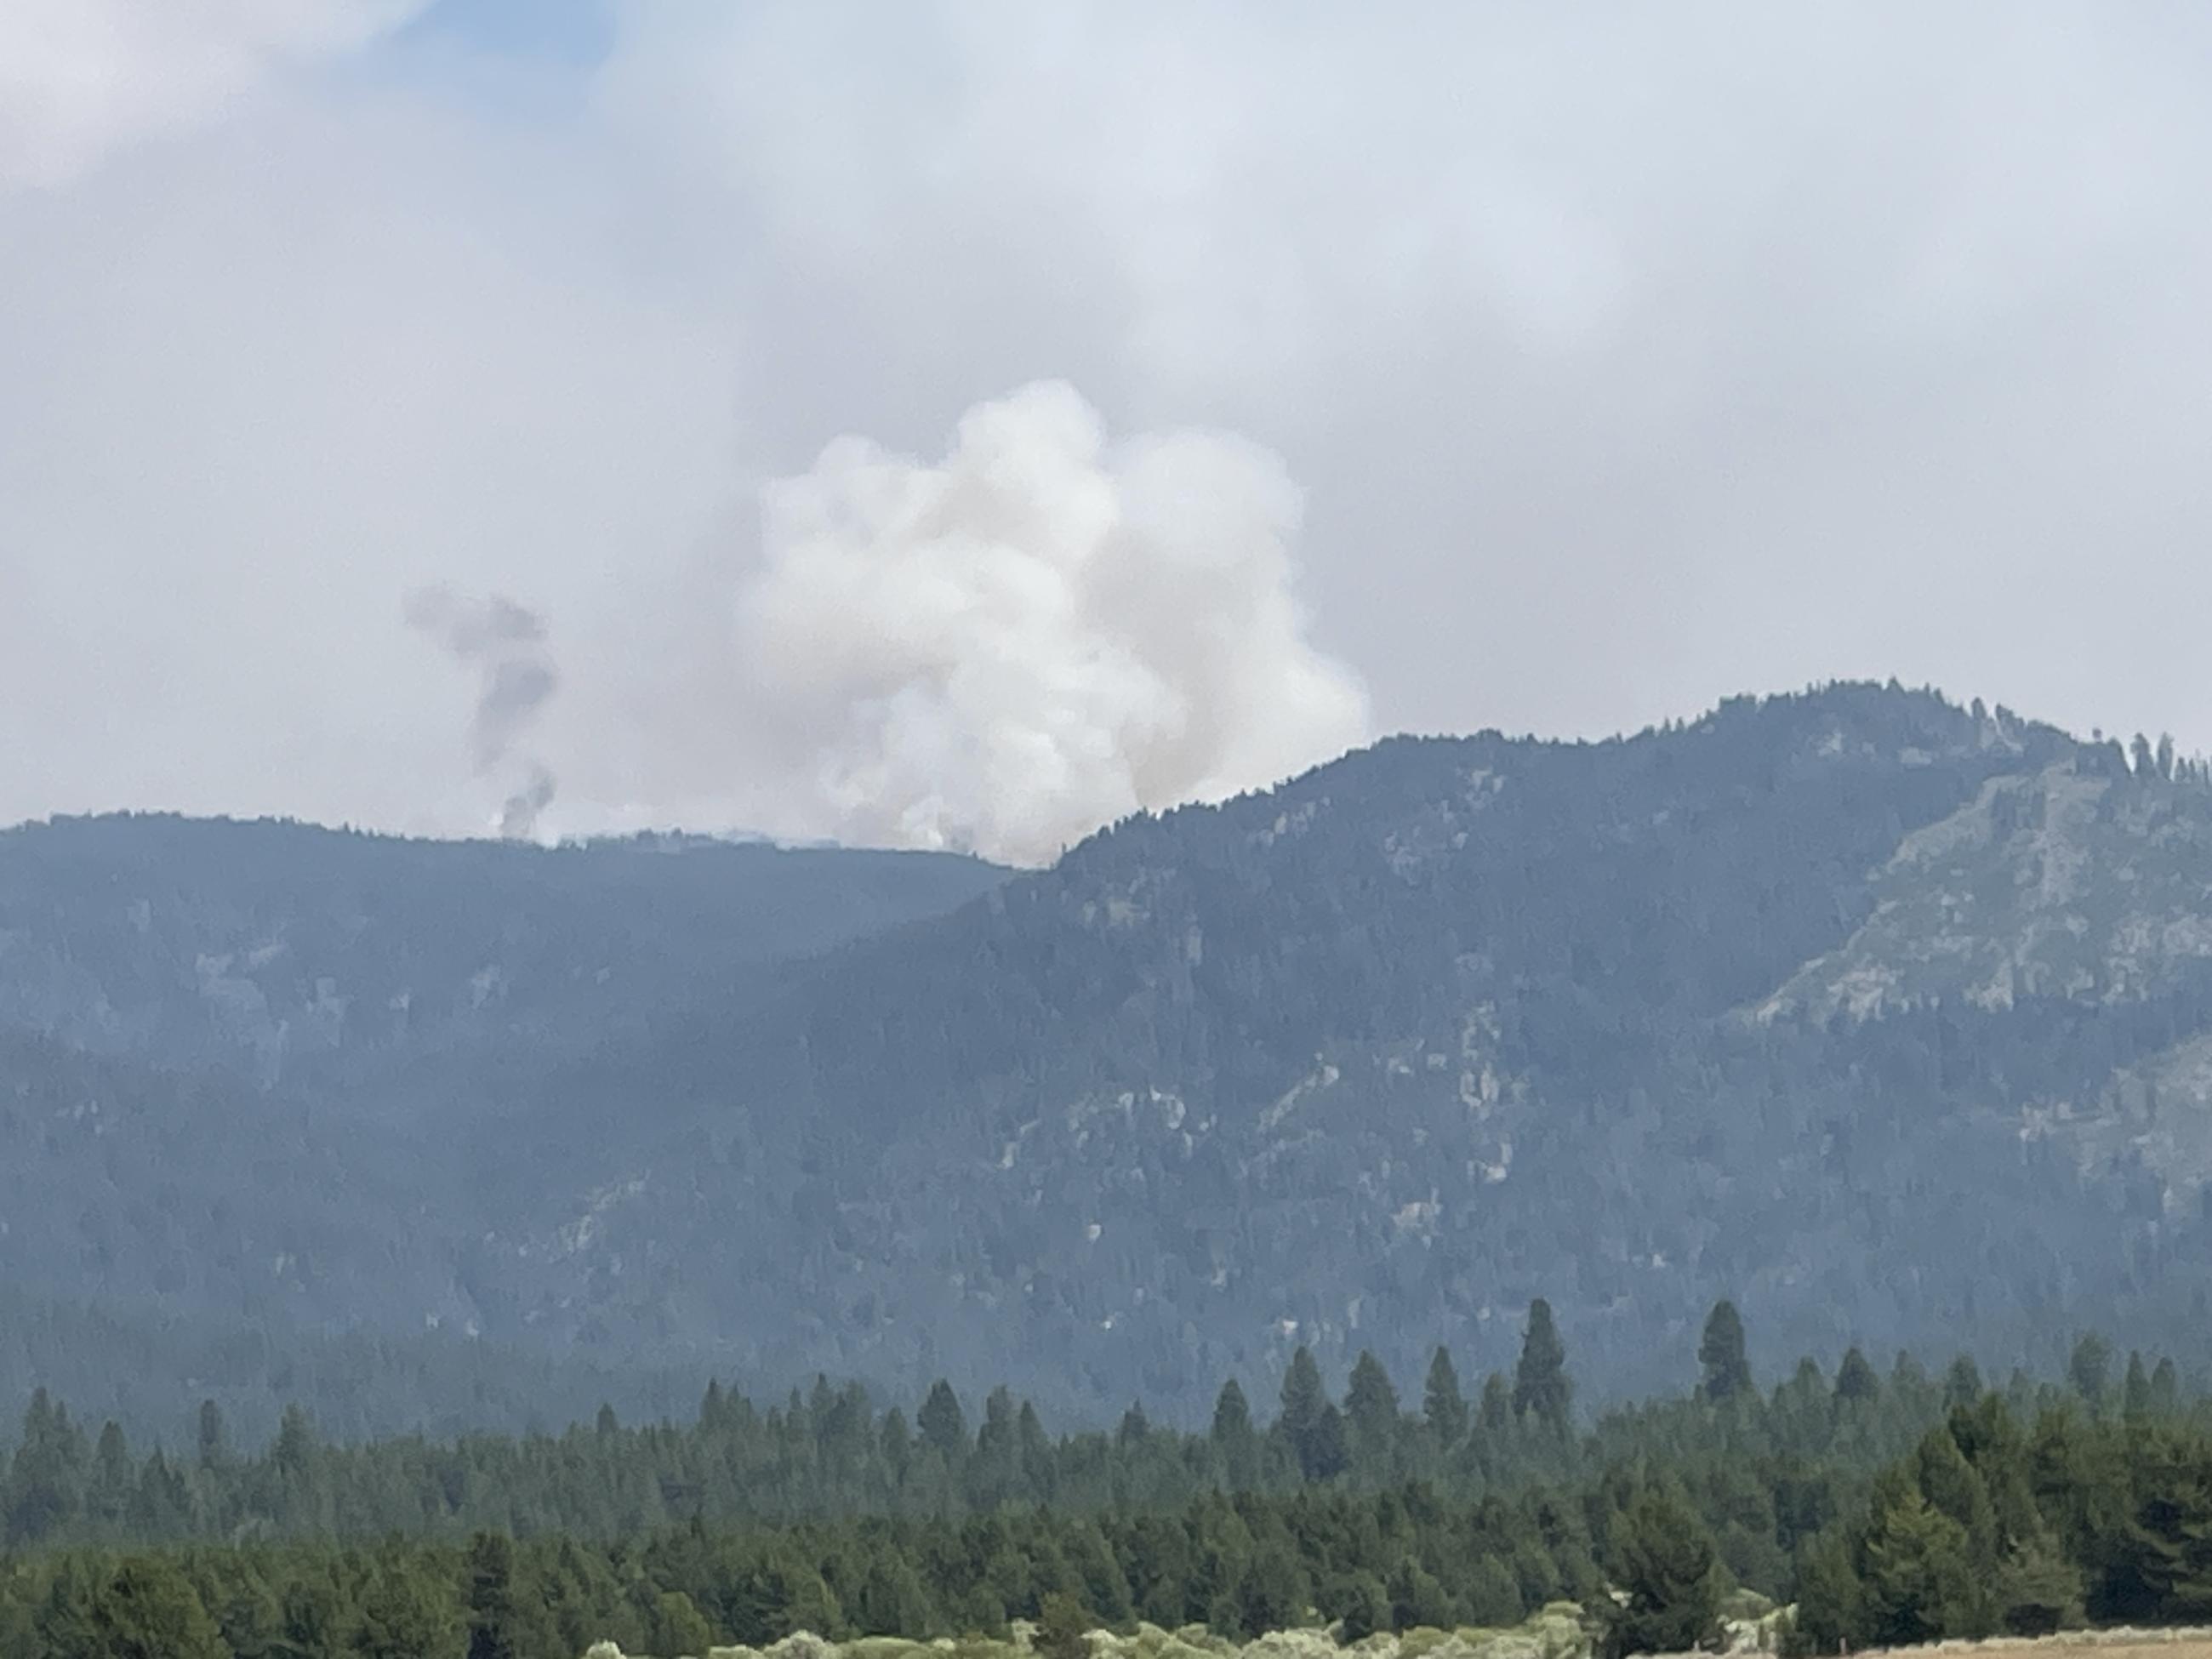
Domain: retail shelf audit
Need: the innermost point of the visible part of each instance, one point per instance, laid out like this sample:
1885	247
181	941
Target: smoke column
1040	634
505	642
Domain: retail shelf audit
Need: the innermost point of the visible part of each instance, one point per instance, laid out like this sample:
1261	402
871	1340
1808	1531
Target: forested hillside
240	1064
1454	1022
293	953
1889	1018
1888	1508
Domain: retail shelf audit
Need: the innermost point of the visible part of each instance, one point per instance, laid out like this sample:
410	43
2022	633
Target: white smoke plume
506	643
1039	635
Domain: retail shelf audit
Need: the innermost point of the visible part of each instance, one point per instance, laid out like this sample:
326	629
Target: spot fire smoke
1040	634
505	642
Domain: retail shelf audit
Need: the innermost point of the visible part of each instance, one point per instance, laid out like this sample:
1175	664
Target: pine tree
2135	1392
214	1445
1442	1406
405	1615
677	1625
45	1488
895	1442
1856	1382
1417	1598
149	1610
2165	1388
1496	1415
1305	1406
1831	1611
1920	1582
1063	1630
2090	1370
1721	1354
493	1618
114	1479
1664	1562
941	1422
1329	1453
2039	1591
1962	1383
1236	1443
1370	1410
1035	1447
1541	1388
1357	1607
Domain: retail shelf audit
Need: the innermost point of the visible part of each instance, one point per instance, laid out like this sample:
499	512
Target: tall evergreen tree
1496	1414
1329	1452
1962	1383
214	1443
1443	1406
114	1478
2089	1368
1721	1354
45	1488
1371	1411
1304	1406
2164	1387
941	1423
1236	1442
1542	1387
2134	1391
1856	1381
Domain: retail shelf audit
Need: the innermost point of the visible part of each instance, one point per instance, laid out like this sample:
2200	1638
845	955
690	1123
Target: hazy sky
1621	358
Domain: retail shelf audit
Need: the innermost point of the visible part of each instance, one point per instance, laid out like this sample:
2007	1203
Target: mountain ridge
1367	1059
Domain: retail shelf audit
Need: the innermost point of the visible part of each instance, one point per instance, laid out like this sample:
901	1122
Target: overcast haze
1554	368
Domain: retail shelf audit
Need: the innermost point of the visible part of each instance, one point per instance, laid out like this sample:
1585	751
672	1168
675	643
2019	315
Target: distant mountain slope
237	1061
1375	1057
295	949
1887	1017
1674	875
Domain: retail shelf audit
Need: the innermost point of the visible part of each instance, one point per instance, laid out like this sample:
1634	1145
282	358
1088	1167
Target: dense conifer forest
1889	1504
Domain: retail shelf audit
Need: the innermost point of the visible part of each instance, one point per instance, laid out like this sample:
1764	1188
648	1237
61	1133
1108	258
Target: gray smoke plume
517	817
505	642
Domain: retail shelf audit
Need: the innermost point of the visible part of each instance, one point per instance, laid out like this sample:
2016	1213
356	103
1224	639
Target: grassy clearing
1557	1632
2194	1642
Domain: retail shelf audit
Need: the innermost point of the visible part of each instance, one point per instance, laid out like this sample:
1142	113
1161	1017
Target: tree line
830	1451
1890	1507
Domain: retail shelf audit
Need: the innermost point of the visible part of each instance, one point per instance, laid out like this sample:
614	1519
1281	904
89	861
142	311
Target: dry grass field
2192	1643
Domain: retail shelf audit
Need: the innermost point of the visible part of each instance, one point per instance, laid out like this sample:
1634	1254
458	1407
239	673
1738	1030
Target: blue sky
578	32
